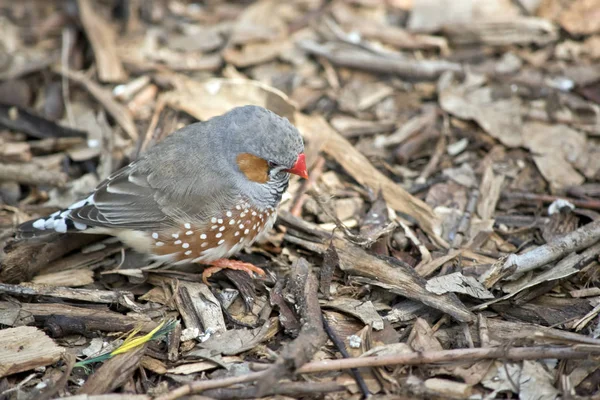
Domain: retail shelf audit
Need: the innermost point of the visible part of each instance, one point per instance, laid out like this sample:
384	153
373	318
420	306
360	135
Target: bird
201	195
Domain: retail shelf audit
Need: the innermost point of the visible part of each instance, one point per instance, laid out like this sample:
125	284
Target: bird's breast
219	237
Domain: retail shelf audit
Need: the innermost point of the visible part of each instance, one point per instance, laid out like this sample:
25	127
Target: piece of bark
519	30
24	348
92	319
69	278
352	57
387	273
197	305
89	295
32	174
114	372
287	318
102	37
22	260
490	189
21	120
303	284
579	239
331	260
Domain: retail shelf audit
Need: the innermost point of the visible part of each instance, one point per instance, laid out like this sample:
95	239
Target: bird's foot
224	263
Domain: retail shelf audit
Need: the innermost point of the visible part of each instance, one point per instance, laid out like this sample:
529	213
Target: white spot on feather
40	224
60	226
79	226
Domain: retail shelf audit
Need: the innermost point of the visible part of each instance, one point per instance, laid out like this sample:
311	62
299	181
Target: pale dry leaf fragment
422	337
463	175
388	349
449	388
213	97
559	173
556	148
501	118
236	341
582	17
94	348
589	162
536	383
431	15
501	377
209	363
458	283
252	26
406	310
363	310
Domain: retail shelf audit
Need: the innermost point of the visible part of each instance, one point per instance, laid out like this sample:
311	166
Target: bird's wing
125	200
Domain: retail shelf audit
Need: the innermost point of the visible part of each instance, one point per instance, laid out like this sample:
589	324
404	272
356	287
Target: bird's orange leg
224	263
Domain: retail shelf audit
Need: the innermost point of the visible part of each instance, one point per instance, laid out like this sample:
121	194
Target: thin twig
443	356
290	389
200	386
590	204
579	239
417	358
342	348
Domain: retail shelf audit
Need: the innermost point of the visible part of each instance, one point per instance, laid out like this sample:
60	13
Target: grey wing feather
125	200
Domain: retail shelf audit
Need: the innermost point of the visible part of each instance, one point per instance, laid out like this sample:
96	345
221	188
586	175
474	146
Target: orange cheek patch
255	168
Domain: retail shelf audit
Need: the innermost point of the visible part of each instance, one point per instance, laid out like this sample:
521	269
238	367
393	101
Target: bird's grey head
262	149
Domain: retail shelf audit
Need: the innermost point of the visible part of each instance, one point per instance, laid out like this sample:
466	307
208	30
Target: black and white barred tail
58	222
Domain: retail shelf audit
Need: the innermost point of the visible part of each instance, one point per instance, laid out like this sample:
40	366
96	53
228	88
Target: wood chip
25	348
102	36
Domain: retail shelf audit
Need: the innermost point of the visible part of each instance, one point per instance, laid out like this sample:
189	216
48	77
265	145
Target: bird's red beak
299	167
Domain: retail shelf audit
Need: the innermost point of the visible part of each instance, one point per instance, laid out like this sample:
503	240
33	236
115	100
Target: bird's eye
272	164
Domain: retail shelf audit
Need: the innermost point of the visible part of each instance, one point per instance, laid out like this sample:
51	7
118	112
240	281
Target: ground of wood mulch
445	245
